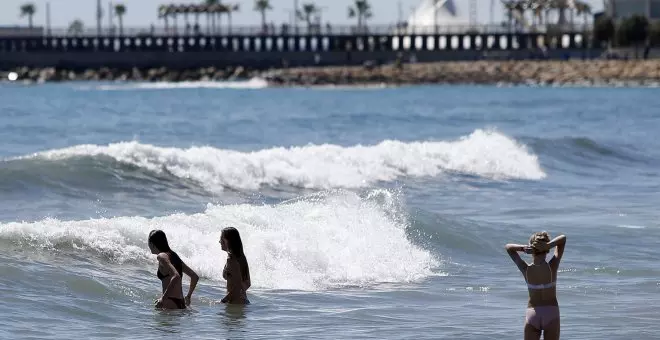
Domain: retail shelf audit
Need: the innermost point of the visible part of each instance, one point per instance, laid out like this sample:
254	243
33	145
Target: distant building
619	9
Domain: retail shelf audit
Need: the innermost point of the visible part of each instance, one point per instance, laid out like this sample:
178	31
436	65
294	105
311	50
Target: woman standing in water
170	270
236	271
542	309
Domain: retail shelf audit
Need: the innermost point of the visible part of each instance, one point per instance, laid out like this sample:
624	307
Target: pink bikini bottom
540	317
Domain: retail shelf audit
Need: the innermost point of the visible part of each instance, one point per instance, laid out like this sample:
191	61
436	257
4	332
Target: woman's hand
187	300
158	303
542	247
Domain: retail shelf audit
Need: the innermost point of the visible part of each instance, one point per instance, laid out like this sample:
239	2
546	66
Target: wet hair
159	240
539	241
235	246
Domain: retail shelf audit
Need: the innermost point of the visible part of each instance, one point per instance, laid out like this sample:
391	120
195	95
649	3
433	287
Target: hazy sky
141	13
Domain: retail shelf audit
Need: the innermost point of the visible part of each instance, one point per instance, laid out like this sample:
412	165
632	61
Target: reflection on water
169	321
234	318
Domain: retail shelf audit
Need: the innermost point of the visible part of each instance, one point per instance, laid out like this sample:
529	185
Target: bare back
542	284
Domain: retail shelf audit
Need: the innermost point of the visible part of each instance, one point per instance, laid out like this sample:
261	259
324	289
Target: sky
142	13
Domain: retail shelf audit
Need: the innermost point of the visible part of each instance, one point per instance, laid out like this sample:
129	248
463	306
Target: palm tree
120	10
262	6
231	9
164	14
28	10
307	13
509	6
361	10
76	27
583	8
537	8
210	5
561	6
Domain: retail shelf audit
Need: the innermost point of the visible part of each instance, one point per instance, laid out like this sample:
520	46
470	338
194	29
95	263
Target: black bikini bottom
180	303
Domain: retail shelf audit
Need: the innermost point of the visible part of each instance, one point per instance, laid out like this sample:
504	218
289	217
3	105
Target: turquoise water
365	213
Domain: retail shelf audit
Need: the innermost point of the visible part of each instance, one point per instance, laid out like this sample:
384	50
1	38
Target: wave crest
331	239
488	154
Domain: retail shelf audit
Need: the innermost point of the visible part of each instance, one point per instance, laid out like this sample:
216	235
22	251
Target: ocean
366	213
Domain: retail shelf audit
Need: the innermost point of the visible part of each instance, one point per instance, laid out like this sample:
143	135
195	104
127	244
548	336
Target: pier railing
299	43
283	30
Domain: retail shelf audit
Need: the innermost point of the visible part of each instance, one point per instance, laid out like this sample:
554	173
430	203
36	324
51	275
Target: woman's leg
551	331
532	325
531	333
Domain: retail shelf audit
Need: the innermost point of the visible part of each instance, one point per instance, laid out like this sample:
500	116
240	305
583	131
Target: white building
443	13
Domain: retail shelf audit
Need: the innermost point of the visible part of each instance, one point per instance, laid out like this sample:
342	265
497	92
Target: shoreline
524	72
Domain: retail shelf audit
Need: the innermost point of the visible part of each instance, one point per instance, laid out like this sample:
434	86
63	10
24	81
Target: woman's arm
512	250
560	243
193	282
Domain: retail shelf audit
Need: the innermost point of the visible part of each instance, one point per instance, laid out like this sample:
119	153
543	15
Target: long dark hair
235	246
159	240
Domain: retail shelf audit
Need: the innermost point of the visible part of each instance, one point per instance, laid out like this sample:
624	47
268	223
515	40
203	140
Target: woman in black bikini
236	271
170	269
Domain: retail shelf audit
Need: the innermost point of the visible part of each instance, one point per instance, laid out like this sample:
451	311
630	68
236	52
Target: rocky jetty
478	72
162	74
584	72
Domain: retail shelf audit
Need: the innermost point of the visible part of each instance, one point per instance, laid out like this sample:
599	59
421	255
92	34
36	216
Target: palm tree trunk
263	20
30	20
219	28
229	22
121	25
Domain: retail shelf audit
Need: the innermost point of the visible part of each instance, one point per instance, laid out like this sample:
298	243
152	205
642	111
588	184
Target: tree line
632	31
308	12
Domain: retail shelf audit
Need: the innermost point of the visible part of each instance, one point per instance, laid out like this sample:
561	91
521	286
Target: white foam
487	154
254	83
627	226
330	240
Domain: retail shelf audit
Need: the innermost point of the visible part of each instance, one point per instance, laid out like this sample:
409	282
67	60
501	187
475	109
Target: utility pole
48	31
99	15
435	16
412	19
110	10
473	12
295	16
492	12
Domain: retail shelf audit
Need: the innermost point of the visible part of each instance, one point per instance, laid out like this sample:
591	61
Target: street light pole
48	31
99	15
295	15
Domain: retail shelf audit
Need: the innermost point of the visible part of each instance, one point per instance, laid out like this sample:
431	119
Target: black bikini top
176	261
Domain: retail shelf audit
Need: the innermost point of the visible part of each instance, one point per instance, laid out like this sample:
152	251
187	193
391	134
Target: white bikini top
550	284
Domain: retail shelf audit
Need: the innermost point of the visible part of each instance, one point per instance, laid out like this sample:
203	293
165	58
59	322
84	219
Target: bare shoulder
163	257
